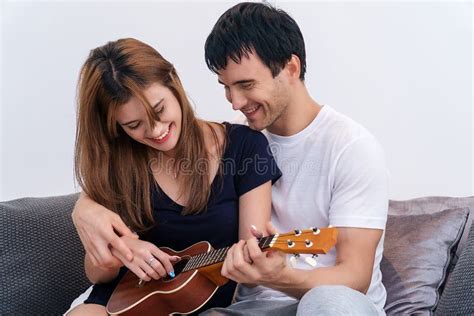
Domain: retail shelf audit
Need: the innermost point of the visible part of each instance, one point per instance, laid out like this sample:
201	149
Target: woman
173	178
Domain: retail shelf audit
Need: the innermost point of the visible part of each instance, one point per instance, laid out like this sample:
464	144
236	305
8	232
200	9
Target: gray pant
321	300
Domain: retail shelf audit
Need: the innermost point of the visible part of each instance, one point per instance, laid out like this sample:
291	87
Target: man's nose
238	100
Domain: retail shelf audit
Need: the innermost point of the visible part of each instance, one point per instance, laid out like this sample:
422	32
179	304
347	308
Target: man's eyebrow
154	107
238	81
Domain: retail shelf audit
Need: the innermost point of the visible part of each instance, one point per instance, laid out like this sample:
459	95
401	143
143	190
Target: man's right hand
100	230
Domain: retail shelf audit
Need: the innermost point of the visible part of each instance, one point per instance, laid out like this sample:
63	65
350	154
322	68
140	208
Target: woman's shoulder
240	131
242	139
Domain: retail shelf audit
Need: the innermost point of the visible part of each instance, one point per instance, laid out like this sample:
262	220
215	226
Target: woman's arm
254	213
255	209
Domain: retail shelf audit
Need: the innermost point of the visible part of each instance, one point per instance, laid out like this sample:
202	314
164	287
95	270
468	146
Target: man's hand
148	260
246	263
99	230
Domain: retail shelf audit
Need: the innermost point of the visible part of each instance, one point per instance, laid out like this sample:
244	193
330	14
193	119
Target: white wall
404	70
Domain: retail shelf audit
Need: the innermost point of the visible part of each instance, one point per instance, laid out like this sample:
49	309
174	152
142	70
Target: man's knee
335	300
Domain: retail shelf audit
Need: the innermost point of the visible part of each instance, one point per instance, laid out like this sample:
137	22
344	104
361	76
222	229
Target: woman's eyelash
134	127
157	111
160	110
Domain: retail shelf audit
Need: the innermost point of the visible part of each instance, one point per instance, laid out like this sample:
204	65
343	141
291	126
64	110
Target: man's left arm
354	264
358	209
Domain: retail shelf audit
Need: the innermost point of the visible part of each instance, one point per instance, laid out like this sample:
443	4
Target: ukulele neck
218	255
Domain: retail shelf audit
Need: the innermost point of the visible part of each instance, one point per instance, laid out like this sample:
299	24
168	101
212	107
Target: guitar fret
201	260
195	261
223	254
207	258
192	262
218	255
188	265
215	254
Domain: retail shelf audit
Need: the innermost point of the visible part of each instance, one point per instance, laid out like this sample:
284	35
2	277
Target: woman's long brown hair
112	168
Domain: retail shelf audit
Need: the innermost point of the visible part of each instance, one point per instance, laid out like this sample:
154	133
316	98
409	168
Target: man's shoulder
341	130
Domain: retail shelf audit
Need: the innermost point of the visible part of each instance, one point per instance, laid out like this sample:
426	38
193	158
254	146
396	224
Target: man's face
251	88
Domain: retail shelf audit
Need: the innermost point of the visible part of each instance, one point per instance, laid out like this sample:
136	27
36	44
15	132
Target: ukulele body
185	293
195	284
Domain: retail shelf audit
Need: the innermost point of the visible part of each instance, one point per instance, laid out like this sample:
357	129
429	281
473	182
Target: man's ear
293	68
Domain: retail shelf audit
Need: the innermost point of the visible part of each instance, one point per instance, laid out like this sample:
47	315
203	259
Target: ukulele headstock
313	241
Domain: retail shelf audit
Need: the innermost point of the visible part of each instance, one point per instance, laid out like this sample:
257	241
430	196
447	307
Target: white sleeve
360	186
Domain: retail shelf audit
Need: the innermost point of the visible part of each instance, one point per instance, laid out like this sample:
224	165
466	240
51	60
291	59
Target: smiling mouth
250	110
164	134
163	137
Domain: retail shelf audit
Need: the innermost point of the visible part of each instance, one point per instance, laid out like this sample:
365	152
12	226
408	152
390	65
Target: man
333	174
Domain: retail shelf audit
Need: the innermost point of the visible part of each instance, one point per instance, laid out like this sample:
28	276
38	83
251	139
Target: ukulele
197	274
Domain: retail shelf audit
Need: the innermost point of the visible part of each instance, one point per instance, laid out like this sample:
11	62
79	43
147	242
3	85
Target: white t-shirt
334	173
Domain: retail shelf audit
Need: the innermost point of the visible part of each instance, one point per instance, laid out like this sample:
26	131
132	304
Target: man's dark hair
270	32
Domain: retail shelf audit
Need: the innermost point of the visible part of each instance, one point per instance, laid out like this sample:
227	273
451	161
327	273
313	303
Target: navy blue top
247	163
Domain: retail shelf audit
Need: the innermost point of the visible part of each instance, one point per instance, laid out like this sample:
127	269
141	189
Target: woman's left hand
148	260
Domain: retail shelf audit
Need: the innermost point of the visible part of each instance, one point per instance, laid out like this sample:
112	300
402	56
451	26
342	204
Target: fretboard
218	255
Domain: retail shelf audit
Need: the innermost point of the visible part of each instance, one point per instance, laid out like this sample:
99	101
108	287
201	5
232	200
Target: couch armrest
41	257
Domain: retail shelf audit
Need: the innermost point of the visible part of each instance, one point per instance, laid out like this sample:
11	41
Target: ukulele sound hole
178	268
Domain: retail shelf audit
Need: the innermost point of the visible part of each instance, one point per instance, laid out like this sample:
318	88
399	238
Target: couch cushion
458	295
435	204
41	257
417	252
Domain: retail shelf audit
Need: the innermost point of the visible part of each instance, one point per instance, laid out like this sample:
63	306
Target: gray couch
427	266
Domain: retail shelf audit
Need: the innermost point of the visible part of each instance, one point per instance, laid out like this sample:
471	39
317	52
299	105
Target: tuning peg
293	260
291	244
315	230
311	260
308	243
297	232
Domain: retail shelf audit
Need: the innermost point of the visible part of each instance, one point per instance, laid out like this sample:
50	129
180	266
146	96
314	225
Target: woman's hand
99	230
148	260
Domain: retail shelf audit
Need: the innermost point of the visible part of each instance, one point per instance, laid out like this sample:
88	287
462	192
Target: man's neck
298	114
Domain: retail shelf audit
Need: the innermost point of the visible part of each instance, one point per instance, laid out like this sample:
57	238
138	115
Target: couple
141	152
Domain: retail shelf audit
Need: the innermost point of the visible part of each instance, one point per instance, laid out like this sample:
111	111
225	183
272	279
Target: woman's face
134	121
